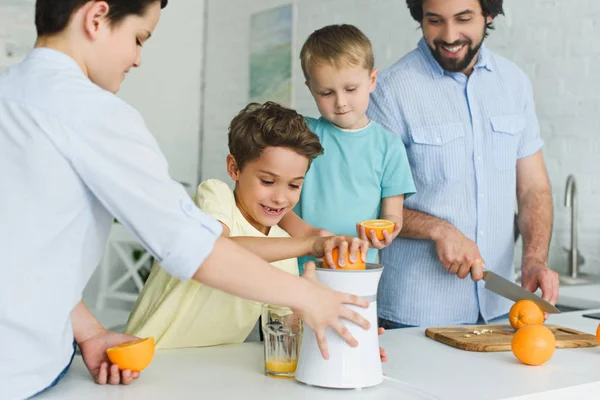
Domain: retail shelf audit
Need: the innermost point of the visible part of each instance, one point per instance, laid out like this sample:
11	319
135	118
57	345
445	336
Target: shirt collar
46	53
483	61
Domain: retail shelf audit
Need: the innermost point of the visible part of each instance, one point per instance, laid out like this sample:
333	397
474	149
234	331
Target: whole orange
525	312
358	265
378	226
135	355
533	344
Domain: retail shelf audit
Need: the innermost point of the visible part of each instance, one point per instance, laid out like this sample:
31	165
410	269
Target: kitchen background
195	77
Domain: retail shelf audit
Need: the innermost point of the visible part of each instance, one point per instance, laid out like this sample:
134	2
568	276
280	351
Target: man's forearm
535	224
418	225
275	249
85	325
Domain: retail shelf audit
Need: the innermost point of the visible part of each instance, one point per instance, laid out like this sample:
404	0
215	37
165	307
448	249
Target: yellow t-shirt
189	314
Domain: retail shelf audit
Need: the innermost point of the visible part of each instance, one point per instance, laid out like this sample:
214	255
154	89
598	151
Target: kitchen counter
584	296
419	368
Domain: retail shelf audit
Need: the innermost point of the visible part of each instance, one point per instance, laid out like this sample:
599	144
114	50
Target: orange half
135	355
378	225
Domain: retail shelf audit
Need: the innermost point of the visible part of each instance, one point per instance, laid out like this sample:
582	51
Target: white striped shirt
463	136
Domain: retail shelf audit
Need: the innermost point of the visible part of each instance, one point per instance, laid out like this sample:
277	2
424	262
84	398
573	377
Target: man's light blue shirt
73	157
347	183
463	136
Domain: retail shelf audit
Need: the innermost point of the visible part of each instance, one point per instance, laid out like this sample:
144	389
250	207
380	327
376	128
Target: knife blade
511	291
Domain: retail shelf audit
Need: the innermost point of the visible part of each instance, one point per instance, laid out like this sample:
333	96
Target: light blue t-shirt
347	183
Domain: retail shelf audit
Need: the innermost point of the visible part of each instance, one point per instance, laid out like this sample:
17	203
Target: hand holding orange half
323	247
359	264
94	354
379	232
378	226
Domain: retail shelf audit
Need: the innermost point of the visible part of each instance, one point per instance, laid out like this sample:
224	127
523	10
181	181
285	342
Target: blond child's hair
338	46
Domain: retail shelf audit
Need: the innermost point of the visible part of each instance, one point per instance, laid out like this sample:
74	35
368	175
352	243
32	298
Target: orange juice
281	367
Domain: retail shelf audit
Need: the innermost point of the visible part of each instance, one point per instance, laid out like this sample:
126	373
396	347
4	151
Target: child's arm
391	209
237	271
276	249
297	227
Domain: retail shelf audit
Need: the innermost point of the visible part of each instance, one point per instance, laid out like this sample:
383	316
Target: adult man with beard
467	118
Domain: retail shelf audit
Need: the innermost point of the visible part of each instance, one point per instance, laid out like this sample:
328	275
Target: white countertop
419	368
584	296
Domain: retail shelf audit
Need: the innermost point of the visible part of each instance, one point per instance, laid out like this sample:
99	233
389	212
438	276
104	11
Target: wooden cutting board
498	337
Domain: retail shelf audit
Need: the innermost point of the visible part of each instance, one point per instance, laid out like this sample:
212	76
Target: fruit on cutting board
135	355
358	265
525	312
378	226
533	344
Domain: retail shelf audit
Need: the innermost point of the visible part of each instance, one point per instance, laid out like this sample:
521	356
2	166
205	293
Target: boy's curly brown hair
259	126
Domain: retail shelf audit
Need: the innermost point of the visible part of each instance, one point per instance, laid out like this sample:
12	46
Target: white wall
166	90
554	41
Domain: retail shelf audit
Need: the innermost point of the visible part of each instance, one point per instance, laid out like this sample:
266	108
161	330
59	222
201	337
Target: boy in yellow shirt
271	149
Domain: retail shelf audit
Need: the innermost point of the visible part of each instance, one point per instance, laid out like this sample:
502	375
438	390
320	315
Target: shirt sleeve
216	199
397	176
121	164
530	142
383	108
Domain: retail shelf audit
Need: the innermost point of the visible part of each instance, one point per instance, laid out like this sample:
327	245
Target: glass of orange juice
282	331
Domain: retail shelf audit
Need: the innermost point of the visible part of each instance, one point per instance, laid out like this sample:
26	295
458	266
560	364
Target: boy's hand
372	237
94	355
324	308
323	246
382	352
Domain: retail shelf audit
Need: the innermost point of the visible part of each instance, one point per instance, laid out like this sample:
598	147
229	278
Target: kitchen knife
511	291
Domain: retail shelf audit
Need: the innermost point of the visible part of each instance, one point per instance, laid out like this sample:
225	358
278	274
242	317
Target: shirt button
478	158
482	233
438	140
481	195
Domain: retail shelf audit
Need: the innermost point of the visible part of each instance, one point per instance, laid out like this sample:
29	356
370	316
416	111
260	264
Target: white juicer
347	367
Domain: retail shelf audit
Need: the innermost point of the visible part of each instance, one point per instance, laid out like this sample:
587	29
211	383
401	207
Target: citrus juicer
347	367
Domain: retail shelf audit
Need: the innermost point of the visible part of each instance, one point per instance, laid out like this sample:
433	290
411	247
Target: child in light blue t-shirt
364	173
